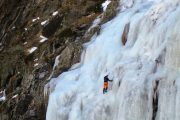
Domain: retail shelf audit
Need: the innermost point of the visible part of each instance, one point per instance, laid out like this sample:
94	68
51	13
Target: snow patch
13	27
2	96
35	65
31	50
34	20
56	62
55	13
105	4
15	96
43	39
36	59
25	43
44	22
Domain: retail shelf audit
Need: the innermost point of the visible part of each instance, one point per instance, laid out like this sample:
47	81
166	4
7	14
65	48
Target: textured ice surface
146	71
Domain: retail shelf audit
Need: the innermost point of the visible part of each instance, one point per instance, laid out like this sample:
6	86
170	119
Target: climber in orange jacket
106	79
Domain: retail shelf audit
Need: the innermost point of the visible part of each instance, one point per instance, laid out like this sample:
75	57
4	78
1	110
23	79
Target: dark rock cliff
24	74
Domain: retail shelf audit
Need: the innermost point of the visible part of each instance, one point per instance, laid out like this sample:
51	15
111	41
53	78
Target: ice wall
145	71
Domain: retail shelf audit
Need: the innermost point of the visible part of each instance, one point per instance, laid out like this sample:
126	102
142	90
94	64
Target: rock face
125	34
24	71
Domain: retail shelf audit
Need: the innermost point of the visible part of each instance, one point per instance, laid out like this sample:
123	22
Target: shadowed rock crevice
52	27
125	34
155	100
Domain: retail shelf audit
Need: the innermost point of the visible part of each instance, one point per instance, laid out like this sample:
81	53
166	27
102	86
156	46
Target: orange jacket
106	85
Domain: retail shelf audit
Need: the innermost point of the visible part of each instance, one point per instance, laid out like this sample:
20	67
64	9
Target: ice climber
106	79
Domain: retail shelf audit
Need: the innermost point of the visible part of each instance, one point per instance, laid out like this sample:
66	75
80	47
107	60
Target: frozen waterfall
145	71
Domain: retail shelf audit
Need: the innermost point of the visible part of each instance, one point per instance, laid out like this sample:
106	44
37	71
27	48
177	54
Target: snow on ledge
2	96
15	96
43	39
31	50
55	13
25	43
34	20
56	62
44	22
35	65
105	4
13	27
36	59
